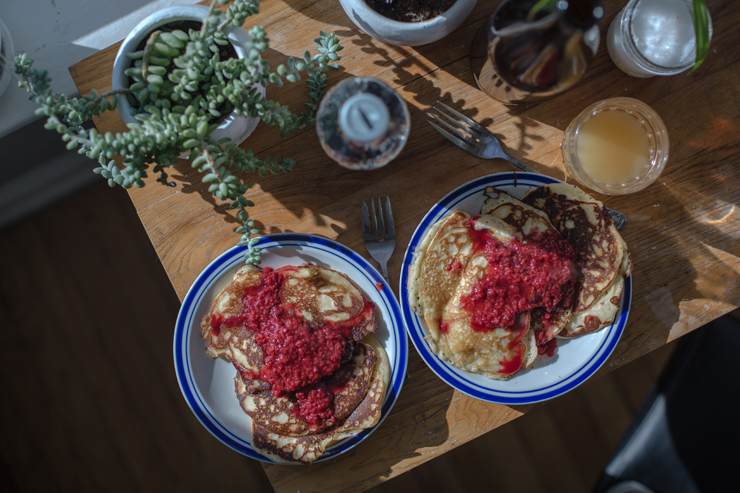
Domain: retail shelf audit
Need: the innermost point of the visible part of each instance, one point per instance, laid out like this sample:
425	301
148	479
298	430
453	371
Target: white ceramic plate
575	360
208	384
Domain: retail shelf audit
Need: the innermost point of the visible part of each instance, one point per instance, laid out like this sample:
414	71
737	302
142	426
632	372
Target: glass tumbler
654	37
616	146
516	58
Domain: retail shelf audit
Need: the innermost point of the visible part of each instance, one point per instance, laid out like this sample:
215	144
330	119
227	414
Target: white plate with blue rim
574	361
208	384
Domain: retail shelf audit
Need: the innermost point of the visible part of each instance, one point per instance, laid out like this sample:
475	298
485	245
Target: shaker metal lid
364	117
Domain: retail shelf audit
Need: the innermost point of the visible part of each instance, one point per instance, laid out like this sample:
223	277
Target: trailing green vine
181	88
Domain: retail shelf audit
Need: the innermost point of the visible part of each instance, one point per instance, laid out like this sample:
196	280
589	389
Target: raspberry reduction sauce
547	348
314	404
520	277
296	357
537	272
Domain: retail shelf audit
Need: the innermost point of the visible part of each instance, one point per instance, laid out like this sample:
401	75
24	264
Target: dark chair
686	437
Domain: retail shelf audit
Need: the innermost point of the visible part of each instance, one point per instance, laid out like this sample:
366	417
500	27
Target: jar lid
364	117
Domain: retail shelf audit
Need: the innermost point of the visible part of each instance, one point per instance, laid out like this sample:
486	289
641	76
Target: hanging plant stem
182	83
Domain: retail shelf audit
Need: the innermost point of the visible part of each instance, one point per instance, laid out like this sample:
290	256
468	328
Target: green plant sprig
701	31
541	4
180	89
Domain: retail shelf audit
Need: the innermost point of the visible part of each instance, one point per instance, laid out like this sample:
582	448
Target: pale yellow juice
613	147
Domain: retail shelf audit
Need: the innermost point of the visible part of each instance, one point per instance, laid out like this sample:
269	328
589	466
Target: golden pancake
438	267
531	223
599	315
290	449
302	376
276	414
603	257
528	221
497	353
445	268
321	296
325	295
235	344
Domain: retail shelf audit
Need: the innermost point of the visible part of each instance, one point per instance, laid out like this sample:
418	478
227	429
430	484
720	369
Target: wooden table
683	232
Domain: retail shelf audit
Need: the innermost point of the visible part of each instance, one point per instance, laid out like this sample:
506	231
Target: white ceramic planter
6	48
235	127
406	33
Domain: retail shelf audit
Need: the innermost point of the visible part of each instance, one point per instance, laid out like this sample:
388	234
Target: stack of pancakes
603	257
446	268
324	300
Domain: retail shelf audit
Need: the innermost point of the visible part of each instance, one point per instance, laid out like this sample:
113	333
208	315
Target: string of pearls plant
181	88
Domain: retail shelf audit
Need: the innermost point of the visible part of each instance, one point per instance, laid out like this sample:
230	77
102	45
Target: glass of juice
616	146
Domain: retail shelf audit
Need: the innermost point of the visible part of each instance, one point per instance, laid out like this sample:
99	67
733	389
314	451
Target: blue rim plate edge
228	260
452	376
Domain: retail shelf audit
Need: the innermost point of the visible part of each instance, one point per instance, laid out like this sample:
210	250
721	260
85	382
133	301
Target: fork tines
370	226
473	131
379	241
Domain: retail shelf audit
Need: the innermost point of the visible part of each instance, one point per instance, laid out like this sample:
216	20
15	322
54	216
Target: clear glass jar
606	152
654	37
518	59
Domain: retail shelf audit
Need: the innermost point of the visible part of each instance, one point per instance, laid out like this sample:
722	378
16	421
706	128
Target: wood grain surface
683	231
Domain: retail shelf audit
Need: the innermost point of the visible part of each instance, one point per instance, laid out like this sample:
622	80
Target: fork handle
520	164
384	268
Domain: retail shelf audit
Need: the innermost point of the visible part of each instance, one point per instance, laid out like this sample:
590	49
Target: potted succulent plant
408	22
183	84
169	23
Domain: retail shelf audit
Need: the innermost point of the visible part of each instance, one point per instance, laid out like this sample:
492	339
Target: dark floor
90	400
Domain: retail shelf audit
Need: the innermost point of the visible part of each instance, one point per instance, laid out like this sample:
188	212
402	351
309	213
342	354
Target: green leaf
202	129
154	79
156	69
701	31
541	4
172	40
165	50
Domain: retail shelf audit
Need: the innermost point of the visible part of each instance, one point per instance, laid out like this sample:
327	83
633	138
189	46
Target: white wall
59	33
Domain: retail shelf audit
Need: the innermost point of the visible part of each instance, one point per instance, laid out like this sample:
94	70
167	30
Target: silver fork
478	141
379	241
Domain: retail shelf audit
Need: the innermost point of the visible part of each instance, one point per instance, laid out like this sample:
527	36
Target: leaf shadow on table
317	11
190	179
423	79
410	72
